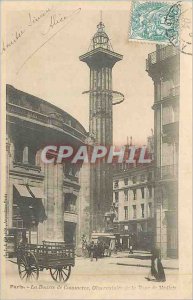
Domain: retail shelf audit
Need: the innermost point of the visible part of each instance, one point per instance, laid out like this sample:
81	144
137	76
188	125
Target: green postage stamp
155	21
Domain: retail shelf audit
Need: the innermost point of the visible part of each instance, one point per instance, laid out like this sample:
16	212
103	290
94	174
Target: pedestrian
131	244
116	248
96	251
131	249
157	271
92	250
161	274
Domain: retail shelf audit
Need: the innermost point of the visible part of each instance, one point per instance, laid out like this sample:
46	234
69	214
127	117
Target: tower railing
117	97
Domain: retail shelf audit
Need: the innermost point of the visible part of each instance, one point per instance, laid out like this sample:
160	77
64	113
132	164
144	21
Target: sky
44	61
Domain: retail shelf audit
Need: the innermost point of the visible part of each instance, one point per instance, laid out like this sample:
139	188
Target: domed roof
102	33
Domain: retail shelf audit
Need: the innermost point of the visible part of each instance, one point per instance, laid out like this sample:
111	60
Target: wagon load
57	257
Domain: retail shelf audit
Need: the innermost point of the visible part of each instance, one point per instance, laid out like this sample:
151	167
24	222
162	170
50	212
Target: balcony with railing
167	172
160	55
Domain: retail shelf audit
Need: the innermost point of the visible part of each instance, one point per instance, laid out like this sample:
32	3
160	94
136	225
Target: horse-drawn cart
57	257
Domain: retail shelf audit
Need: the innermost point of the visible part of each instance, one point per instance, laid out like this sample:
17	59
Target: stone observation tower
100	59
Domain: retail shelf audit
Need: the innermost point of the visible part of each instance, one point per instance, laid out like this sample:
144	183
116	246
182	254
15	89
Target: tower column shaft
100	116
100	59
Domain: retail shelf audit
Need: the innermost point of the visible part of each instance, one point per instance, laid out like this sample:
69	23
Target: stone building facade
133	201
163	66
43	198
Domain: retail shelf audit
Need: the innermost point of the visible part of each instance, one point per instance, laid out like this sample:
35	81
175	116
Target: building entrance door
125	242
70	232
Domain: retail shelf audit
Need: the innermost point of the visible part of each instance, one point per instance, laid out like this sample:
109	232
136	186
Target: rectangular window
142	177
17	219
69	204
126	181
32	156
18	157
116	184
134	194
176	113
126	212
126	195
116	196
142	192
134	212
150	176
134	179
18	223
142	211
150	191
150	210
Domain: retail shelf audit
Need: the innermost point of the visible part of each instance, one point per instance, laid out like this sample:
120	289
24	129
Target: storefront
28	210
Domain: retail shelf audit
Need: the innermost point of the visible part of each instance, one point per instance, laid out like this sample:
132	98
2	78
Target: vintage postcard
96	124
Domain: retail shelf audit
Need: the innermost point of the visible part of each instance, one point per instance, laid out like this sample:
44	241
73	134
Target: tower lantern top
100	39
100	52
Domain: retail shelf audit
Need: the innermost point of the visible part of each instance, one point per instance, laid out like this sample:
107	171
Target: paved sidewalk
146	256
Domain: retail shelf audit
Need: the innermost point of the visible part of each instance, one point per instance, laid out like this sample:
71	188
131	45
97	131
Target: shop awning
22	190
30	203
37	192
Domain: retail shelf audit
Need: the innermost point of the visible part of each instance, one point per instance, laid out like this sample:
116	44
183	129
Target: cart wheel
28	267
61	274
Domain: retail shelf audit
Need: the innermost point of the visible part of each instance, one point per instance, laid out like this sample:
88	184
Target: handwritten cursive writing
55	20
58	19
54	23
35	19
18	34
